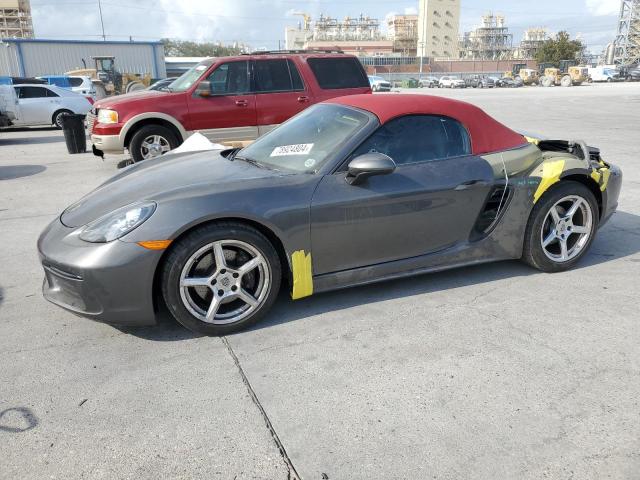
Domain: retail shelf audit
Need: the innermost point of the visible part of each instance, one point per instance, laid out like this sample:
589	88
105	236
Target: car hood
140	95
154	179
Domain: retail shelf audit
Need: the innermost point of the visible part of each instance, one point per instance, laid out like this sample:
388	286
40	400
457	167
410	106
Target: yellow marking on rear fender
550	174
535	141
605	178
302	275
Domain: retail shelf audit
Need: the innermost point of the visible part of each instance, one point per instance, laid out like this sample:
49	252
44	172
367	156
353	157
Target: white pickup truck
35	104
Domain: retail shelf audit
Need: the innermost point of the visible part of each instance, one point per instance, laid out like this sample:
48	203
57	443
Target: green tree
181	48
560	48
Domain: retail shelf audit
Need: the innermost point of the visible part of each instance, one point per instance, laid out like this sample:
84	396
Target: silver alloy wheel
224	282
154	146
566	228
59	118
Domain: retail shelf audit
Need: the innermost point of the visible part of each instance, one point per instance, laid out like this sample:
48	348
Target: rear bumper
611	194
109	282
107	143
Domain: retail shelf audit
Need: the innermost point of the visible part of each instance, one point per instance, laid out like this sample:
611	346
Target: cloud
410	11
603	7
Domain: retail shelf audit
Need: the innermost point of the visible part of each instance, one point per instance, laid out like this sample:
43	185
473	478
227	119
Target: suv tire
152	141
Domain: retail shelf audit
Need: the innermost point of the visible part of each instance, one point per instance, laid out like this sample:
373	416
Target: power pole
104	37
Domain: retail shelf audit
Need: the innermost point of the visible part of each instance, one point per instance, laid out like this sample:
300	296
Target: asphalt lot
489	372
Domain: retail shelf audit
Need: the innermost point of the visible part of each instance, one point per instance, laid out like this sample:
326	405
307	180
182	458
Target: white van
604	73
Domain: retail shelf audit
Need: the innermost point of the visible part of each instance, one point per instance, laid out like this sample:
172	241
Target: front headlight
117	223
107	116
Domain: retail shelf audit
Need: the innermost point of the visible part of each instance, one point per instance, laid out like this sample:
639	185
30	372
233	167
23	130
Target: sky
261	23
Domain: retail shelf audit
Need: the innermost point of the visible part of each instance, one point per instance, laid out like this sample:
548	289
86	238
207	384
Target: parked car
43	104
508	82
480	82
429	82
632	74
162	84
452	82
379	84
226	99
354	190
83	85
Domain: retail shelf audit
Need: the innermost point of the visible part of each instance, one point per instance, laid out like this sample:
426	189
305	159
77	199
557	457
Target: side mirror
368	165
203	89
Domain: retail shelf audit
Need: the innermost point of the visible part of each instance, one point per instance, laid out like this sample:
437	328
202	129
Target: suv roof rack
311	50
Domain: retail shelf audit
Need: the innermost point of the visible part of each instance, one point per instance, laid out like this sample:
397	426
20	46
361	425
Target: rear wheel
566	81
151	141
546	81
221	278
57	117
561	227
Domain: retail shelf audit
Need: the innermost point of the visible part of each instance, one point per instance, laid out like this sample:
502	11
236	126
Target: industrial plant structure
15	19
490	41
402	30
438	24
627	43
532	40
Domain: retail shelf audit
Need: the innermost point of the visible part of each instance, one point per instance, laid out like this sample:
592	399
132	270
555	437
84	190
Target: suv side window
418	138
338	72
75	81
31	92
230	78
277	75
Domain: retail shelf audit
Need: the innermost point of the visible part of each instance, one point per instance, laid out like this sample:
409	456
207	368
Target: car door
222	107
280	92
36	108
428	204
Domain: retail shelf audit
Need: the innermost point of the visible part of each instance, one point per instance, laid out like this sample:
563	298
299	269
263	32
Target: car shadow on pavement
31	140
11	172
618	239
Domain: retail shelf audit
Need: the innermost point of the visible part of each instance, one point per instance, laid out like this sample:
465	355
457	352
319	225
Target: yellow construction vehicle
109	81
574	75
529	76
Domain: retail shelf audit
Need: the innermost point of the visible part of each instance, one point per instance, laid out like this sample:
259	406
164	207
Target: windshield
191	76
305	142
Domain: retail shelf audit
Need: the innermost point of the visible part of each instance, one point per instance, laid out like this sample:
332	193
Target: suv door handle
242	103
303	99
471	183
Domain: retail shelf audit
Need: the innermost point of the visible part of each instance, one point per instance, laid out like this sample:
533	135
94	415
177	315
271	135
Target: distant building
489	41
438	25
532	40
361	48
296	38
15	19
402	30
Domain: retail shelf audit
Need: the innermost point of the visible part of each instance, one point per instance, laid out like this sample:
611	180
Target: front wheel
561	227
221	278
152	141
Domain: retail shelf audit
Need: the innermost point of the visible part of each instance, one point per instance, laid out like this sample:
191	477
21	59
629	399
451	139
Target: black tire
135	145
185	247
57	118
533	253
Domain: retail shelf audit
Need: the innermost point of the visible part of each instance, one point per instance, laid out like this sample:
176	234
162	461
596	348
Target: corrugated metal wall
56	57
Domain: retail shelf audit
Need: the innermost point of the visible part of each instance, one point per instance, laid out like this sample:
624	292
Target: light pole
104	37
420	52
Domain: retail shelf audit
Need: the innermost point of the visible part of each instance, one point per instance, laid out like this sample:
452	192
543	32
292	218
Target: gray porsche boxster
351	191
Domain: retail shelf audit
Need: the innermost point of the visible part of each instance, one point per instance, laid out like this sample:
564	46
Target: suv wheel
57	118
152	141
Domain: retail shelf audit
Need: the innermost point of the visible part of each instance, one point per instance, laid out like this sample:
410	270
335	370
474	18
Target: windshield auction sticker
299	149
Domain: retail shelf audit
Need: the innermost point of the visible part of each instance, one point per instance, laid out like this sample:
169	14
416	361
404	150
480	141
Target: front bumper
107	282
107	143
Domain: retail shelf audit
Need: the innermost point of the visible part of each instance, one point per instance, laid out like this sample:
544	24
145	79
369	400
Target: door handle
242	103
471	183
303	99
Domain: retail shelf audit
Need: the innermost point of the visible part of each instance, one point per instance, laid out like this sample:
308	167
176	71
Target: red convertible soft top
487	134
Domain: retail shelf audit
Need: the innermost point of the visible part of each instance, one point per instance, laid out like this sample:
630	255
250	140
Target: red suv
226	99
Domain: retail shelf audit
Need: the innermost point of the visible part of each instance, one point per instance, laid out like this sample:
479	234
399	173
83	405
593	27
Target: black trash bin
74	134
